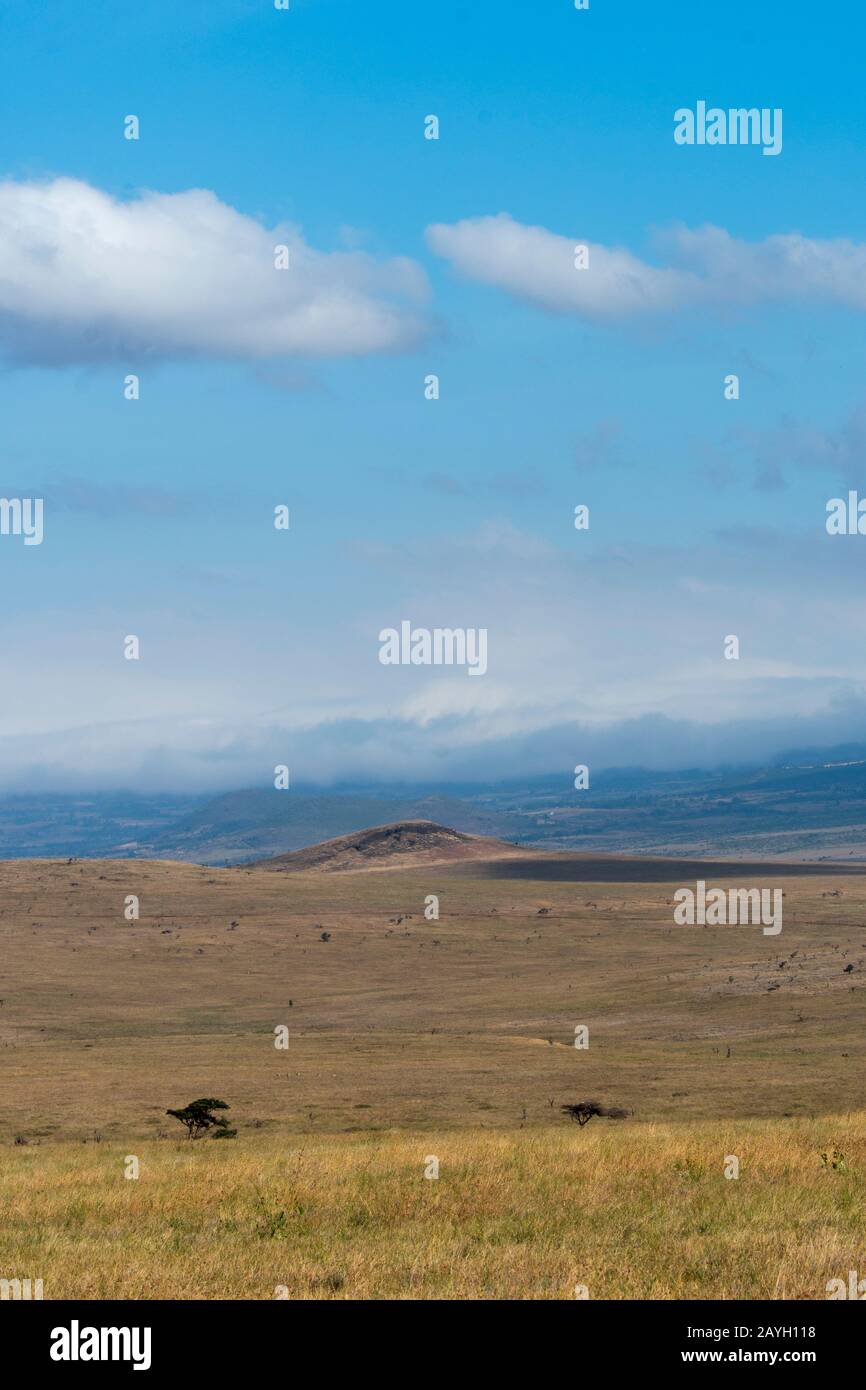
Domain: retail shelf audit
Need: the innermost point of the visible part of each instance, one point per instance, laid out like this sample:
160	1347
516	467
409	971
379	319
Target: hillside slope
408	843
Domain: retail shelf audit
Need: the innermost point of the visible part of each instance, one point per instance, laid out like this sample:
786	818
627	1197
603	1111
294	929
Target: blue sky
706	515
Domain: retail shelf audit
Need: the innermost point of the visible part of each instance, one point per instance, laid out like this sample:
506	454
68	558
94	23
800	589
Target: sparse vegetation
834	1159
198	1117
584	1110
682	1024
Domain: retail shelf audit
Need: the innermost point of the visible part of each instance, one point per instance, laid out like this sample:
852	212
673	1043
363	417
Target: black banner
218	1338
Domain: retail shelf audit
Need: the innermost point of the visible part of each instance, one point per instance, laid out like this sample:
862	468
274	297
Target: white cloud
535	264
614	651
87	277
705	266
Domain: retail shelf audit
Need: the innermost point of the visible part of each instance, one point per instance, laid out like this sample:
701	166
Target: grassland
398	1022
408	1038
636	1211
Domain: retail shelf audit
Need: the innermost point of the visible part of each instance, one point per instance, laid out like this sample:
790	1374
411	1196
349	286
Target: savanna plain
416	1046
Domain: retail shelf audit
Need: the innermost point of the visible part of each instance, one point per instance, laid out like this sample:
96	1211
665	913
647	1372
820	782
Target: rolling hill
410	843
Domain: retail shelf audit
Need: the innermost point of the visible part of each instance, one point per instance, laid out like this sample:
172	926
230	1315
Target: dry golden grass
628	1210
409	1038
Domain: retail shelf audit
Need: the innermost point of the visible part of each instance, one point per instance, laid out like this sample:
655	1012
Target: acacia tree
584	1110
199	1118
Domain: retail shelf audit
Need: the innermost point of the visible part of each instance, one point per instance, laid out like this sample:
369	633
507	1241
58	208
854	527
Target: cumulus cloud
85	277
535	264
705	266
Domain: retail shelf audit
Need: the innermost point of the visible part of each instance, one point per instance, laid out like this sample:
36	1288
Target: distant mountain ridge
261	824
808	804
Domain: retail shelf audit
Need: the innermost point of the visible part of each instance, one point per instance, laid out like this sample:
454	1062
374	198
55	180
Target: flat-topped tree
584	1110
199	1118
